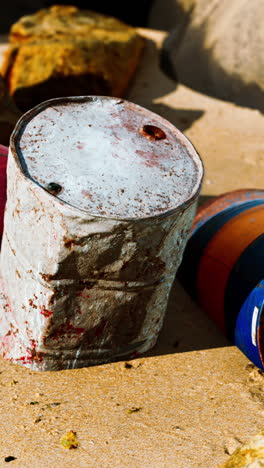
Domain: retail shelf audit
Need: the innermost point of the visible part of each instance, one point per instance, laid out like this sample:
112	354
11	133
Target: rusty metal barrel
101	195
223	267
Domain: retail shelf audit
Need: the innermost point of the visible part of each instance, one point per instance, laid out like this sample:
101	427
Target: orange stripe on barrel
220	256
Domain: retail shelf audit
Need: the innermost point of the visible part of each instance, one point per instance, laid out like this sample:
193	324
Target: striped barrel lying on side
223	267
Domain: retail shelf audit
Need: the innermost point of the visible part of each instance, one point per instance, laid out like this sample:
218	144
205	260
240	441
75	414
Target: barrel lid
107	156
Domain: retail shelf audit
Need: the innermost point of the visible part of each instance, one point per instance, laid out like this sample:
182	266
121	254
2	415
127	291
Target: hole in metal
152	132
54	188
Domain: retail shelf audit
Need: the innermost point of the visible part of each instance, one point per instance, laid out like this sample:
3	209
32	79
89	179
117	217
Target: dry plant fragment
69	440
134	410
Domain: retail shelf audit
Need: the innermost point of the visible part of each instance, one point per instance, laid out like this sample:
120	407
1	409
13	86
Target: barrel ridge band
188	269
246	273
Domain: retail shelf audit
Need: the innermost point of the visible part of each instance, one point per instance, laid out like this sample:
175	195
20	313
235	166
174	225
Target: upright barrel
100	201
223	267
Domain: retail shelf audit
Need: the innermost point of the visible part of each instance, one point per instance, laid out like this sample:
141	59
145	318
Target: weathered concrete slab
194	399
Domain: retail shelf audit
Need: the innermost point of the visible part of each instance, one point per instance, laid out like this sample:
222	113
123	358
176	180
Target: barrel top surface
109	157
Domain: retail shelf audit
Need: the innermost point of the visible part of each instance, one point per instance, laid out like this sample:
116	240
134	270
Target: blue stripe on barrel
246	273
247	331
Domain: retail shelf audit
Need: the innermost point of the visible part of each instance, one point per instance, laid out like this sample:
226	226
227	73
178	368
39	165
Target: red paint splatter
30	353
46	313
25	359
64	331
